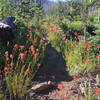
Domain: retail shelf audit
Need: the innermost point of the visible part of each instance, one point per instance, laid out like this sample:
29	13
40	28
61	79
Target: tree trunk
85	28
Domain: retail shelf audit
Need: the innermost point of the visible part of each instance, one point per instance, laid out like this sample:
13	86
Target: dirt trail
54	65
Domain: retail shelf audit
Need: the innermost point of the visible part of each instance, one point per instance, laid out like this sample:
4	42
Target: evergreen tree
86	4
5	9
37	12
59	12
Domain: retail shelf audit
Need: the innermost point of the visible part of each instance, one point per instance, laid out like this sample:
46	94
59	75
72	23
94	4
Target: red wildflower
61	86
89	61
28	70
16	46
7	58
98	56
67	53
79	37
98	91
11	64
39	65
22	55
46	44
30	34
36	55
75	33
37	49
11	56
6	69
53	77
32	48
0	71
73	44
98	46
6	53
65	99
22	47
75	76
88	49
87	44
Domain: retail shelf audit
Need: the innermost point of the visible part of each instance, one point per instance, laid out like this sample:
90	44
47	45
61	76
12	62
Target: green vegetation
72	28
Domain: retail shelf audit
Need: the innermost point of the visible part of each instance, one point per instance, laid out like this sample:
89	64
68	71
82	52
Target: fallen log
41	86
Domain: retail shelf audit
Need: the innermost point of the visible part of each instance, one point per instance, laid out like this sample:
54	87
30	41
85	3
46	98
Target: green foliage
5	9
22	63
79	60
89	95
22	10
75	26
55	33
72	9
59	12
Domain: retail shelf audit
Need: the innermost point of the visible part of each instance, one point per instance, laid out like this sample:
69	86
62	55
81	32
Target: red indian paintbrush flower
39	65
7	58
0	71
75	33
79	37
61	86
36	55
88	49
6	69
98	56
87	44
22	55
98	91
11	64
65	99
89	61
52	76
67	53
32	48
6	53
16	46
11	56
75	76
28	70
22	47
73	44
30	34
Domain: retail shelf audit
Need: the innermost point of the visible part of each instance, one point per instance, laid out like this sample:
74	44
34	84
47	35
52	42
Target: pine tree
37	12
86	4
59	12
5	9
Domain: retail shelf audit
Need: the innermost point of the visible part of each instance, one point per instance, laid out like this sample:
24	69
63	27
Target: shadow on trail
54	65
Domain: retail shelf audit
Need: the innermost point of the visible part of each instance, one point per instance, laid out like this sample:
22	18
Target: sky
58	0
